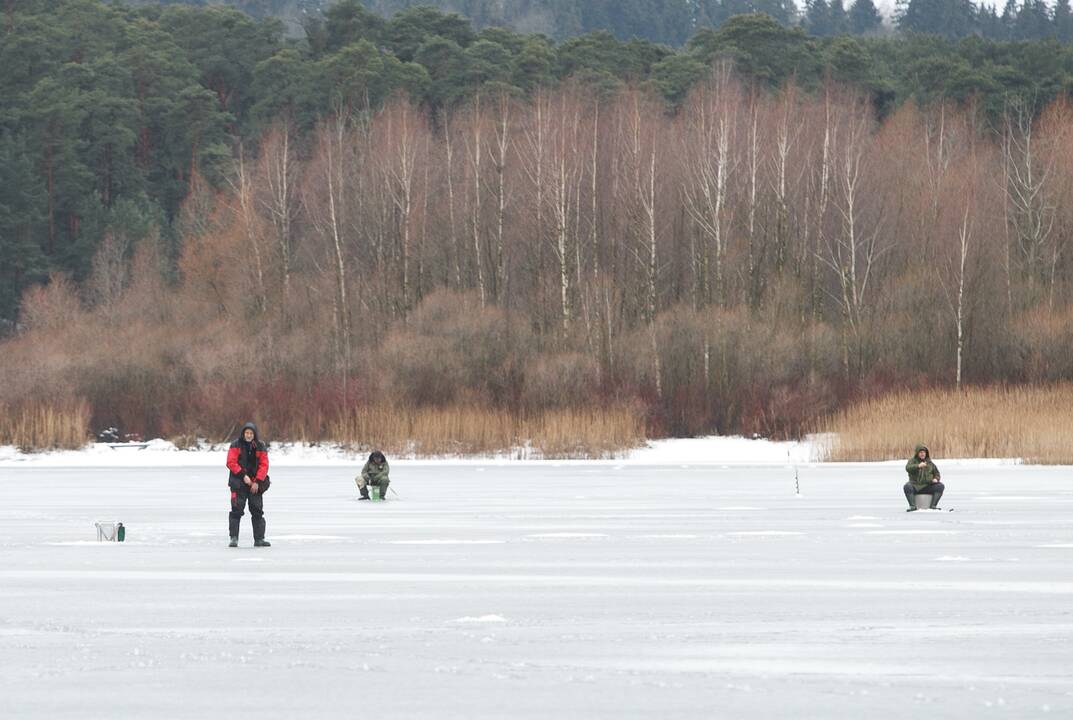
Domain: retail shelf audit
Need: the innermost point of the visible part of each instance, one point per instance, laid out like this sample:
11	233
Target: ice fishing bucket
109	531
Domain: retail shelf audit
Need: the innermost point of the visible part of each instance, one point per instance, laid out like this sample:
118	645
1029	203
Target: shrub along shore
1031	423
422	432
1026	422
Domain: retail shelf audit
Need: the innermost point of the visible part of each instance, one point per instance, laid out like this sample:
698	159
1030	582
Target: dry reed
479	431
1033	423
45	426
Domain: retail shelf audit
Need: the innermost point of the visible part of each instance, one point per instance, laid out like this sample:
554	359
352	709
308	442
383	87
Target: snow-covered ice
538	590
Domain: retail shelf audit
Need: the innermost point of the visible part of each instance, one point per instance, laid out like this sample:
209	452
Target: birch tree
325	201
279	172
852	249
713	130
1031	211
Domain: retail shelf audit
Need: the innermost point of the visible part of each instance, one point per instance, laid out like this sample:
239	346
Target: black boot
936	493
912	509
234	542
910	496
258	527
261	543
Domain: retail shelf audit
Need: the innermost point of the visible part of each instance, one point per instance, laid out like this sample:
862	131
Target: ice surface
554	590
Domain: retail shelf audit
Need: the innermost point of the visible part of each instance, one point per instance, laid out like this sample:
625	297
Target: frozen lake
585	590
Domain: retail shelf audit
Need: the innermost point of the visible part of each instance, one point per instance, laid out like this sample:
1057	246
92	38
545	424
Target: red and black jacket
248	458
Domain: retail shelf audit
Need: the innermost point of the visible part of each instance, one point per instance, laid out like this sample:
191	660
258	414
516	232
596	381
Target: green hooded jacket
376	474
921	477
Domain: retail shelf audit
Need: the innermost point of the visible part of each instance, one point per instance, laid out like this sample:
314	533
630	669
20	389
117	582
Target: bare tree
452	226
713	124
110	271
1031	211
279	171
325	200
242	185
474	156
401	141
499	153
852	250
563	198
642	143
534	151
787	134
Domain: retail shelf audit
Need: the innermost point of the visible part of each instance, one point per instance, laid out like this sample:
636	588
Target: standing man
247	459
375	473
923	479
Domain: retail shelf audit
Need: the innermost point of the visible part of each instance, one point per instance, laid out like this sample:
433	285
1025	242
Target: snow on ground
727	451
161	453
549	590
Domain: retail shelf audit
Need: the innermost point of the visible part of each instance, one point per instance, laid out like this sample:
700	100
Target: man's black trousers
240	494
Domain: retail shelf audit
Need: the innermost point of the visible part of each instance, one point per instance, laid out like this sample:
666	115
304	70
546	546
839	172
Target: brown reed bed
1034	423
466	430
45	425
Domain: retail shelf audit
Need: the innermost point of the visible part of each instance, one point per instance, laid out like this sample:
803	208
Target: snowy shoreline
715	451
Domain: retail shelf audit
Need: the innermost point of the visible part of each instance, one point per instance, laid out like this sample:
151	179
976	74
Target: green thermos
120	532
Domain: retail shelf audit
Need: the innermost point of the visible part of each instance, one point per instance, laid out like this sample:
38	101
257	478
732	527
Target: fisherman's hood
251	426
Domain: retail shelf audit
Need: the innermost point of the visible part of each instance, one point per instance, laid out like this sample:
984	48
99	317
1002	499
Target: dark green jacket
921	477
375	474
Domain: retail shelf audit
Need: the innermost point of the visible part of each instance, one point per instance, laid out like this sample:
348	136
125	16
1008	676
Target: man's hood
922	446
250	426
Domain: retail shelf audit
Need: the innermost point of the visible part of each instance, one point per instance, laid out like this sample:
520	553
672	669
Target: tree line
746	264
111	112
737	236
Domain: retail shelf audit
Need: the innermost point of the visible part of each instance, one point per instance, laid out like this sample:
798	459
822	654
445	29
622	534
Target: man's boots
364	492
937	493
910	497
261	543
234	542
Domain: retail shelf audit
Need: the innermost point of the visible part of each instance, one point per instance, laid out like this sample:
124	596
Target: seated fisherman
923	479
374	473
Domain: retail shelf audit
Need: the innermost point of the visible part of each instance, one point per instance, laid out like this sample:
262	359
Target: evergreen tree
952	19
1063	21
1008	21
716	12
676	74
762	49
347	22
783	11
837	19
410	29
445	62
22	206
988	22
1033	21
817	19
533	64
487	62
864	18
284	84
